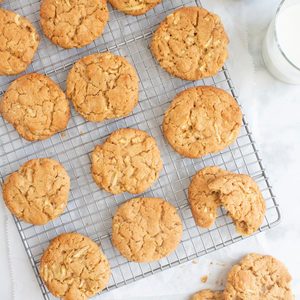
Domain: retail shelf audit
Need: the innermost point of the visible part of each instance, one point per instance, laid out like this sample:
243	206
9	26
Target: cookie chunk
128	161
146	229
36	106
74	268
134	7
202	120
73	23
190	43
103	86
204	202
18	42
258	277
241	197
38	192
208	295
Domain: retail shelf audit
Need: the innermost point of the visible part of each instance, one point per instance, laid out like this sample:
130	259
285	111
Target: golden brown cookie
134	7
258	277
38	192
241	197
208	295
103	86
146	229
128	161
73	267
18	42
202	120
204	202
36	106
73	23
190	43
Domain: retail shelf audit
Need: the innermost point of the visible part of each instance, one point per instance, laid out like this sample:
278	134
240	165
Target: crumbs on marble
81	132
194	261
204	279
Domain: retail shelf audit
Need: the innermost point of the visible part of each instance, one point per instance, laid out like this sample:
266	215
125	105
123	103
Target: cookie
73	23
128	161
202	120
38	192
208	295
73	267
191	43
258	277
146	229
134	7
18	43
103	86
36	106
204	202
241	197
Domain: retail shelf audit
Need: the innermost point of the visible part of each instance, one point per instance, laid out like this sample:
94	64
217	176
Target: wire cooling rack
90	209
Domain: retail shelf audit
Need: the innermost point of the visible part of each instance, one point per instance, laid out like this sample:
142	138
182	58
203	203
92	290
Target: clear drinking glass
281	47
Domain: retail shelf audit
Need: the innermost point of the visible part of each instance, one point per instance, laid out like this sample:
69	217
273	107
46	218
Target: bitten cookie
36	106
202	120
203	201
258	277
73	267
190	43
38	192
241	197
73	23
103	86
146	229
18	42
208	295
128	161
134	7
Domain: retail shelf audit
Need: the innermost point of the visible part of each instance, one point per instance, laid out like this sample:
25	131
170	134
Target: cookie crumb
204	279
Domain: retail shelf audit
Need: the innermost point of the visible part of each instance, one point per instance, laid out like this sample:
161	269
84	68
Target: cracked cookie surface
258	277
208	295
38	192
128	161
204	202
241	197
103	86
202	120
190	43
73	23
18	42
146	229
74	268
134	7
36	106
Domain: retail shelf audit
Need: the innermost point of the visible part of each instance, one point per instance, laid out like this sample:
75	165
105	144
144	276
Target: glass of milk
281	47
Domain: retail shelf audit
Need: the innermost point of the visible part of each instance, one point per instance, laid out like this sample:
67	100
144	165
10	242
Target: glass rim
278	11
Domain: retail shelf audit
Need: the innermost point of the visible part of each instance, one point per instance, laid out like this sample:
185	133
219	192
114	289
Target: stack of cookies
191	44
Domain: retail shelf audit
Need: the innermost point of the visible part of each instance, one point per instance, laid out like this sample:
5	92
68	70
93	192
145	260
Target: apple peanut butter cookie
134	7
36	106
241	197
203	201
103	86
38	192
73	267
19	41
146	229
73	23
202	120
191	43
258	277
128	161
208	295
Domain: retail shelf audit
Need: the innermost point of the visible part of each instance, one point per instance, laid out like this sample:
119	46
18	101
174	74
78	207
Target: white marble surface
273	111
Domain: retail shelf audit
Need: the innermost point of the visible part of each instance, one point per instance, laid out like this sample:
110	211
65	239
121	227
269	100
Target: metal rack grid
90	209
